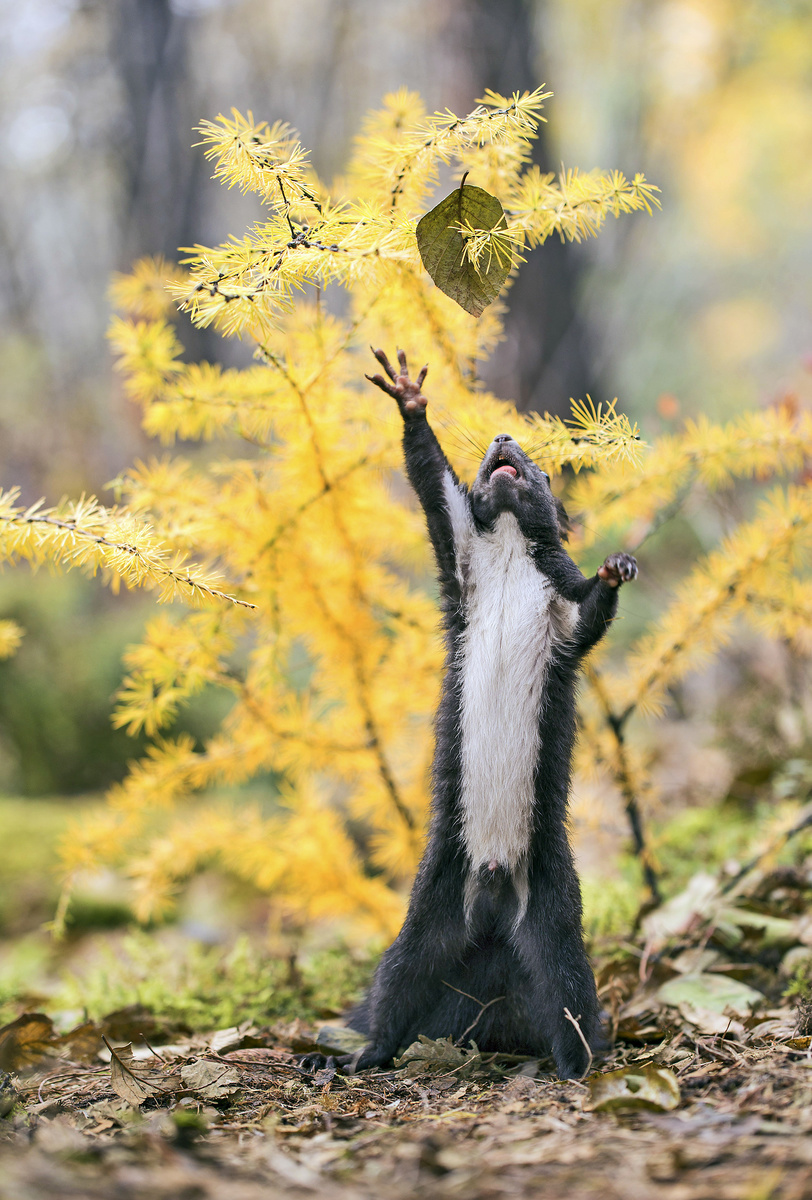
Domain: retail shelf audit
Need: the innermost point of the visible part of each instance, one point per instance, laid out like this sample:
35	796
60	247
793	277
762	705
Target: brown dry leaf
136	1083
137	1021
429	1054
210	1080
650	1087
442	247
82	1043
24	1043
340	1039
238	1037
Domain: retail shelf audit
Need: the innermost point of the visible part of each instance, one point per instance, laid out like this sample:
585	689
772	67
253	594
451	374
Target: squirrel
492	945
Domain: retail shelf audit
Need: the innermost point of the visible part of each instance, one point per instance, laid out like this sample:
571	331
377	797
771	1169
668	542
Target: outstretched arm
439	490
596	597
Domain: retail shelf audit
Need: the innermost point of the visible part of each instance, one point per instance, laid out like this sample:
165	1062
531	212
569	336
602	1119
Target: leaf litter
705	1091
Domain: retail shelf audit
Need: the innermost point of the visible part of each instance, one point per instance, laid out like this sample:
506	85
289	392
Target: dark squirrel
494	917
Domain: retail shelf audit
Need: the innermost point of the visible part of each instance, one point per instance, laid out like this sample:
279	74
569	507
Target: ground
706	1090
728	1115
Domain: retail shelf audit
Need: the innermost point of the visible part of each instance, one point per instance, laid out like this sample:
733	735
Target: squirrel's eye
546	476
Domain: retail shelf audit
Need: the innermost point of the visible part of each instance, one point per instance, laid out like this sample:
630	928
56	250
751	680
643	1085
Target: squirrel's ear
564	523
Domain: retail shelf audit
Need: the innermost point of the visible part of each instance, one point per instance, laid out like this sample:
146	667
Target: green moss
610	905
206	987
24	966
29	871
706	838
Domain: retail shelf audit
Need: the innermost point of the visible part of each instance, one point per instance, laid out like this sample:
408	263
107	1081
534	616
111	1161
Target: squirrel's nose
503	437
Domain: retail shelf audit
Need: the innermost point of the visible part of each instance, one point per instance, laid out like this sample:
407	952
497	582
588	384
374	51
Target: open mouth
503	467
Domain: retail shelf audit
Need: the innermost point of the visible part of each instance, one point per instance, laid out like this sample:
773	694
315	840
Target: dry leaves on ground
707	1092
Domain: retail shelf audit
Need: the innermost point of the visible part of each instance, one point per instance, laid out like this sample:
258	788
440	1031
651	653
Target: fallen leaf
82	1043
8	1095
137	1021
697	901
694	960
650	1087
210	1080
24	1043
771	931
238	1037
442	248
429	1053
135	1084
704	1020
340	1039
714	993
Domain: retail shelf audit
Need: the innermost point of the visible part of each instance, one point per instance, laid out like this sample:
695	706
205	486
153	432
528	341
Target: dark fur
539	966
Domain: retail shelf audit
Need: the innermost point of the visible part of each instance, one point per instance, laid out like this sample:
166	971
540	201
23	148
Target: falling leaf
210	1080
442	247
651	1087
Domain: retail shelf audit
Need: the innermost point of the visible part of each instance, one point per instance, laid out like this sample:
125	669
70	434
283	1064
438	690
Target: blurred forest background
703	308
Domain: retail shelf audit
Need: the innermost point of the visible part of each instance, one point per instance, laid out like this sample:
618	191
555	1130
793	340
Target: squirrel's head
509	481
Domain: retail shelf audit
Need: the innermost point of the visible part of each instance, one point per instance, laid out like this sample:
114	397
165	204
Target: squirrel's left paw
618	568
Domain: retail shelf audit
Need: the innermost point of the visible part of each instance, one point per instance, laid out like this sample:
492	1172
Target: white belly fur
514	620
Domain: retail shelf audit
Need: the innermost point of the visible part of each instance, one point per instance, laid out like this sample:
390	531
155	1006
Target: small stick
482	1007
574	1021
474	1024
155	1052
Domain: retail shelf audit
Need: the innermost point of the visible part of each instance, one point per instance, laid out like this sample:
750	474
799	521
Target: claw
385	363
380	382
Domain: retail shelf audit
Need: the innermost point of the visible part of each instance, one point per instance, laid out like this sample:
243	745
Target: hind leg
408	981
549	942
409	978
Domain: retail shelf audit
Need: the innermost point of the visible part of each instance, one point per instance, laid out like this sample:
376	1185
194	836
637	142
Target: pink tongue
504	471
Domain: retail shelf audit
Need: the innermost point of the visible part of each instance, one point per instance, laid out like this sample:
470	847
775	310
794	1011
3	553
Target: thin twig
155	1052
482	1007
622	773
574	1021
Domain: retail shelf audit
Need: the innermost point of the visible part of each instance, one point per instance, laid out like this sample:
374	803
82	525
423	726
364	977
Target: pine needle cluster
324	637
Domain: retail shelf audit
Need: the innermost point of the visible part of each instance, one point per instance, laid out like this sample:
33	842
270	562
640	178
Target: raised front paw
405	390
618	568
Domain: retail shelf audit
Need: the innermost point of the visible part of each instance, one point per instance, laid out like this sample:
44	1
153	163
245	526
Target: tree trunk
546	356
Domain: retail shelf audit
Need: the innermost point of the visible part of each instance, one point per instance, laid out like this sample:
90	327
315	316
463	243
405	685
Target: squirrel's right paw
405	390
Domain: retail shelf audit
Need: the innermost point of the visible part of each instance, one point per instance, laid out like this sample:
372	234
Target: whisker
463	451
451	425
472	441
460	448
